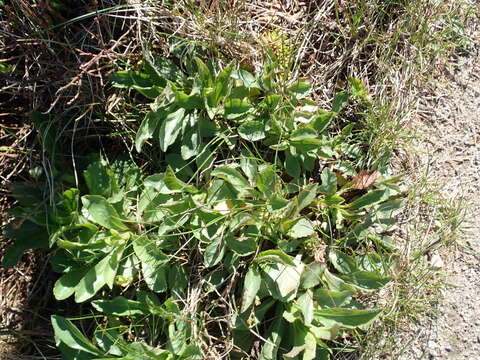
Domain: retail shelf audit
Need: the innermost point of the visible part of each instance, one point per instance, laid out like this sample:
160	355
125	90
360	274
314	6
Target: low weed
252	213
255	240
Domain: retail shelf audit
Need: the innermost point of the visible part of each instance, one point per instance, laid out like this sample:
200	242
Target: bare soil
451	150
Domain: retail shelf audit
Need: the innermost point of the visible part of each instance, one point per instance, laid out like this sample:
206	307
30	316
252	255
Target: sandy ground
451	149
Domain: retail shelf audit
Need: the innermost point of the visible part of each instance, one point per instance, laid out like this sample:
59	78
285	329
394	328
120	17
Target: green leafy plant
232	106
236	244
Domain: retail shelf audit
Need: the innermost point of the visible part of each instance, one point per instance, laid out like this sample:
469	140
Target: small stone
436	262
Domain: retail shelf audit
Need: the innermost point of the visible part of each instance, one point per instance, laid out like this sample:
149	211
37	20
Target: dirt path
451	118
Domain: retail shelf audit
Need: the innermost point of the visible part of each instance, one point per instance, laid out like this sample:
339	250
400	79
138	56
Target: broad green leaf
109	340
339	101
28	236
120	306
389	209
241	92
325	333
204	73
272	101
367	280
232	176
322	120
66	284
160	69
252	131
137	80
276	203
99	210
180	167
178	330
236	108
245	243
292	313
267	180
343	263
127	271
103	273
302	228
303	341
349	318
214	252
346	168
192	352
292	164
69	334
274	256
156	182
126	172
241	219
333	200
70	199
305	303
146	129
127	79
142	351
175	184
151	92
282	281
335	283
191	141
300	89
251	286
303	117
306	144
302	134
371	198
306	196
311	275
276	333
373	261
221	86
72	354
246	78
205	158
305	139
330	298
100	179
154	263
170	128
281	146
150	202
309	161
177	278
249	167
151	301
72	245
179	212
329	182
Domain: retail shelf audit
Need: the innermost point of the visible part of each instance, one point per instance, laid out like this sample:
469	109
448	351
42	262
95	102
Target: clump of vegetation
234	210
257	239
